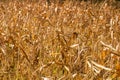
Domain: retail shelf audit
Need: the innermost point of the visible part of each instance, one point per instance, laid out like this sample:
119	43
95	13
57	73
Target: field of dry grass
69	41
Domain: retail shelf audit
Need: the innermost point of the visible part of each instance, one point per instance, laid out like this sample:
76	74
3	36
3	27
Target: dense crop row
72	41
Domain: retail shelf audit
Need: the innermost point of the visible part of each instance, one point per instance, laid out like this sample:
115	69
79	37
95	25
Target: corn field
68	41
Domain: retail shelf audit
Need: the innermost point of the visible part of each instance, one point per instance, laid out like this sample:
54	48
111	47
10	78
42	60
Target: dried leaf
74	45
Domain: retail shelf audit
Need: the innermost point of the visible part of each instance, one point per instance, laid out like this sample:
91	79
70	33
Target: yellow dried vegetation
69	41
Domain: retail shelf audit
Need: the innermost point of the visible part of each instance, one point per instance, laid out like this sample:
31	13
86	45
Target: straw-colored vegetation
69	41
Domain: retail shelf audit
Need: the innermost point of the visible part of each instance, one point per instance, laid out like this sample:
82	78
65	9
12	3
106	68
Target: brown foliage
78	41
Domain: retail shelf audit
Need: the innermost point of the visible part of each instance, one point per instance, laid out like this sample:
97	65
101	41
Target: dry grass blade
74	45
46	78
74	75
78	56
113	50
24	53
67	69
3	50
109	46
100	66
42	67
94	68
